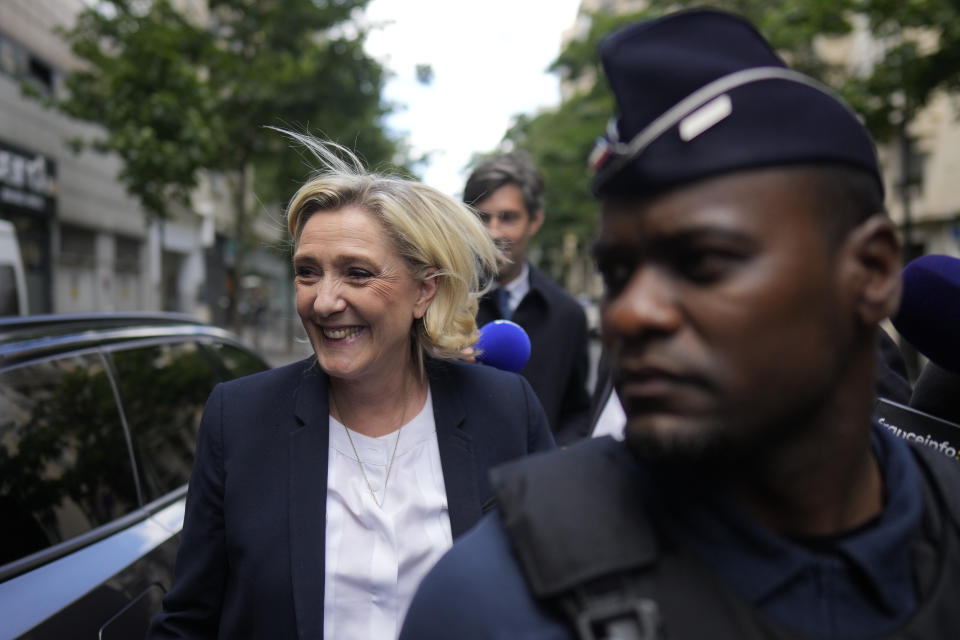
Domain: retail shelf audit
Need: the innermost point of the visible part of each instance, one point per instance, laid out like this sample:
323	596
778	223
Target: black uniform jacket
251	556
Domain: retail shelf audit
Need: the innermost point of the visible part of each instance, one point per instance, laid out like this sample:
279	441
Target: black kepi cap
701	93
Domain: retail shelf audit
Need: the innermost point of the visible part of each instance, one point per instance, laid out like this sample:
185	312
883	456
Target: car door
68	496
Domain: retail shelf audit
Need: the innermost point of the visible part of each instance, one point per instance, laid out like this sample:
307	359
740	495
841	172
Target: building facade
86	244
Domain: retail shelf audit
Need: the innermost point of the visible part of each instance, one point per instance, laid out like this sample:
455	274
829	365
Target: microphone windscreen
929	314
503	344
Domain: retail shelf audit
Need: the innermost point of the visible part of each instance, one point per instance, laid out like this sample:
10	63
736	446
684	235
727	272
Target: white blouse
612	420
376	557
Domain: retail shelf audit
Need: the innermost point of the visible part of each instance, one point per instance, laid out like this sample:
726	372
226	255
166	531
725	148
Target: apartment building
86	244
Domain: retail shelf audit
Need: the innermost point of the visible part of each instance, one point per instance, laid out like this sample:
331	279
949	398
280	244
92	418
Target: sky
489	63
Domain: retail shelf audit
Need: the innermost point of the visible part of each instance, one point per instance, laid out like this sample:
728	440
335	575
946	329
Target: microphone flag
919	427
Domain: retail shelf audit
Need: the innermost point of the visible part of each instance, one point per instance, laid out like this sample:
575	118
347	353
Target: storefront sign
27	180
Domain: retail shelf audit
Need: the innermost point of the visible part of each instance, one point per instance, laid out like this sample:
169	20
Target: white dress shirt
518	288
612	420
376	556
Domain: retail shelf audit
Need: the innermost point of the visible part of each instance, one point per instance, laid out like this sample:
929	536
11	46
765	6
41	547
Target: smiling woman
388	415
356	297
431	235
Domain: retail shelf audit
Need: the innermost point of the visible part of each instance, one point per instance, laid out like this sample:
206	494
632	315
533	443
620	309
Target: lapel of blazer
456	448
309	442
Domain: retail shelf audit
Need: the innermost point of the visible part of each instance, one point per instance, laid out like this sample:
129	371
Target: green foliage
559	140
917	49
918	44
177	97
144	83
922	55
296	64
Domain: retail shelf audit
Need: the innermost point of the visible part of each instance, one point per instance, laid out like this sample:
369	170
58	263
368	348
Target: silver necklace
363	472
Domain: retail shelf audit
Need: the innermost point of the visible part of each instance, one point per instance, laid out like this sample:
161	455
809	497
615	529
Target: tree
560	139
918	41
917	49
176	97
143	81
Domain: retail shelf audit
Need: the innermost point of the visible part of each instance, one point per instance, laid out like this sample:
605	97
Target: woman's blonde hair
436	235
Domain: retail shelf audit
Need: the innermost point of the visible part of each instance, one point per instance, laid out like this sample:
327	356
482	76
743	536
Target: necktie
502	299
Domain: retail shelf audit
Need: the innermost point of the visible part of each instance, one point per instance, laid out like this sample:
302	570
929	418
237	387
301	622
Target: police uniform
588	542
573	520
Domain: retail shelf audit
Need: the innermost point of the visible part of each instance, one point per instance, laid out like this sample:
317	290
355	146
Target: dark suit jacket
251	557
558	364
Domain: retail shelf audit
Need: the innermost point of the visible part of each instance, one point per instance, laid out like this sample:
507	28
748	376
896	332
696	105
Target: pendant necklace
363	472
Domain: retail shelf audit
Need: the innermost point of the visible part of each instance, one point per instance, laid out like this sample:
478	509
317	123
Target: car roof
28	337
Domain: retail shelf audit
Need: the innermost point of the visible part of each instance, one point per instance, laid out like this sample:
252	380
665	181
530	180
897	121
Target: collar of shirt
518	287
882	551
758	563
378	451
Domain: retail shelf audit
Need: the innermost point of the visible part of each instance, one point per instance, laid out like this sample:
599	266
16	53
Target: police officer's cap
701	93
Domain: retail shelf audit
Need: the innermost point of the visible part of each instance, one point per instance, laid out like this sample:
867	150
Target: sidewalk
273	342
282	356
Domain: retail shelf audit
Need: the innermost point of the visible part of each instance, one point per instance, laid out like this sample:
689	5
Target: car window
163	389
64	463
237	362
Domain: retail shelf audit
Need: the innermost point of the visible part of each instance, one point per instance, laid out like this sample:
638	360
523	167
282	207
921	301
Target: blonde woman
323	491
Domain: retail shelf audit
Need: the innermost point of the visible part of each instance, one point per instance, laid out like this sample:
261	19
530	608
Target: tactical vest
593	557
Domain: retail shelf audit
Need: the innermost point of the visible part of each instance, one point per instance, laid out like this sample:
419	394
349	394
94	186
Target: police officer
748	264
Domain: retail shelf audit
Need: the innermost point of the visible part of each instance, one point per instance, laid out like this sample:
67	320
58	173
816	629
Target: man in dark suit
507	191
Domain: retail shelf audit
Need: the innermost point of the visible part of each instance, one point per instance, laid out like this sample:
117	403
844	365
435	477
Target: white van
13	287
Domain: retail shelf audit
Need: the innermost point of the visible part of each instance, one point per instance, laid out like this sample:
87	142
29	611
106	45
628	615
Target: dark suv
98	421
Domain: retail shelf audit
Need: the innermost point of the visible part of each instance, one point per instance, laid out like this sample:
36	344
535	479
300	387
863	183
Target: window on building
40	74
19	62
10	56
77	246
127	256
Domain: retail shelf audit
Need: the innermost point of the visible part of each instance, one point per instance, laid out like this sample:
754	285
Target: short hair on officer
742	342
849	195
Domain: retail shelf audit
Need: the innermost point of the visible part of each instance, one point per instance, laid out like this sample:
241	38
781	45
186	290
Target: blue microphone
929	314
503	344
929	319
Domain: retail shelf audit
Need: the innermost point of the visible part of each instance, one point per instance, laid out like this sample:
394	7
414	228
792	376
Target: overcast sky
489	62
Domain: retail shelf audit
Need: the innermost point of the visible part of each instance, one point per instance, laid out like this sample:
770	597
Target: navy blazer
251	556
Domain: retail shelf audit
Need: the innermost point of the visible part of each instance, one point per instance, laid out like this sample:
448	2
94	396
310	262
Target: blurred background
137	174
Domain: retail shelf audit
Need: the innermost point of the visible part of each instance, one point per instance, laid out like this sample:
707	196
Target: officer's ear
872	253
